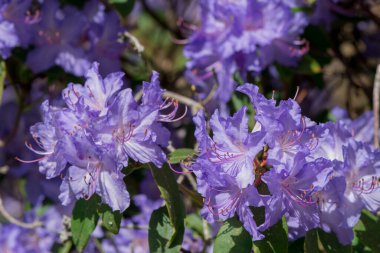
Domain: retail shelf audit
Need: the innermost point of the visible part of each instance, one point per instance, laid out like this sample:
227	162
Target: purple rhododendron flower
316	175
361	128
242	36
224	168
63	36
92	139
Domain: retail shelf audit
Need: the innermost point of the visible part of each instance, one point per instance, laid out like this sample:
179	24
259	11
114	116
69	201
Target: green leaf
180	154
331	244
311	241
276	239
297	246
368	229
132	167
111	219
84	220
62	248
308	65
2	78
124	7
194	223
232	237
160	231
168	187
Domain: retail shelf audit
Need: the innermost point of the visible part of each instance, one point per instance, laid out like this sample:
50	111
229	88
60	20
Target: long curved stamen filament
171	117
44	153
178	172
180	41
30	161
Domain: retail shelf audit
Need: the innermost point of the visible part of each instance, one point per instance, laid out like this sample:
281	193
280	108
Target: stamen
171	117
226	206
44	153
180	41
363	186
295	96
178	172
31	161
219	156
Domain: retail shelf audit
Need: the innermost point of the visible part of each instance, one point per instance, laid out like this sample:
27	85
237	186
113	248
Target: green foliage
180	154
308	65
84	220
123	7
111	219
160	231
168	187
276	239
367	231
232	237
64	248
311	241
331	244
194	223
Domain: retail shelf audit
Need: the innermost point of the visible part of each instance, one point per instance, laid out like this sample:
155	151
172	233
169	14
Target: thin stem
213	90
98	245
15	221
192	181
136	227
376	91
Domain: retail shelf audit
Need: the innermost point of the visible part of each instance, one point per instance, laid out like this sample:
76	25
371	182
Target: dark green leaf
297	246
168	187
160	231
368	229
124	7
276	239
111	219
181	154
311	241
2	78
84	220
132	167
195	197
232	237
331	244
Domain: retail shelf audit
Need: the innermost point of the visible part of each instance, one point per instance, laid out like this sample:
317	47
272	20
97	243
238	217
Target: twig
213	90
15	221
194	105
376	90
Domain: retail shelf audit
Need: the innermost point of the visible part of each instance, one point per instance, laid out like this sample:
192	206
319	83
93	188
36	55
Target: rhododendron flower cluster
91	140
66	37
98	152
242	36
317	175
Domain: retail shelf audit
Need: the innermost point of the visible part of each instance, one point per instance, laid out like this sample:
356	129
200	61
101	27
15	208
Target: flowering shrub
189	126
